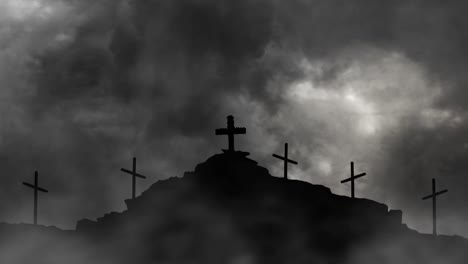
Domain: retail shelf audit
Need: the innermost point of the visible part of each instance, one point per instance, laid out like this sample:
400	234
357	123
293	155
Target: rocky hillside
230	210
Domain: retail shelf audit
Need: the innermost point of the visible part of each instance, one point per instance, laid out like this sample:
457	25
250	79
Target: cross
36	188
286	160
230	131
434	211
352	178
134	175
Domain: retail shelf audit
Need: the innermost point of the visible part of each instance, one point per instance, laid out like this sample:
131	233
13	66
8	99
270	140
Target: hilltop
231	210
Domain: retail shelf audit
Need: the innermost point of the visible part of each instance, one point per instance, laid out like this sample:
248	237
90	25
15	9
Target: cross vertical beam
36	188
231	131
134	174
353	178
36	176
134	178
433	196
352	182
434	209
286	160
285	172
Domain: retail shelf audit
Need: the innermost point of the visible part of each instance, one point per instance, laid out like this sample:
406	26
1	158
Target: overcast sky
88	84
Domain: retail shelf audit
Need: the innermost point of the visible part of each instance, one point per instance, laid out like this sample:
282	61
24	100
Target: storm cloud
86	85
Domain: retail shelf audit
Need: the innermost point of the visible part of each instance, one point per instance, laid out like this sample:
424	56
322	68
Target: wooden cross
286	160
134	175
36	188
352	178
230	131
434	205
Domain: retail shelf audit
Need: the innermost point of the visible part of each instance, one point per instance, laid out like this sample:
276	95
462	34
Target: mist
87	85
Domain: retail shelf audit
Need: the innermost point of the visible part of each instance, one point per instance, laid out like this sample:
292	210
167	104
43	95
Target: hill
230	210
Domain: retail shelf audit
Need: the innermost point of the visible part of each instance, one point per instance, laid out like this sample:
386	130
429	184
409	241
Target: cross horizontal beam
227	131
288	160
131	173
435	194
354	177
35	187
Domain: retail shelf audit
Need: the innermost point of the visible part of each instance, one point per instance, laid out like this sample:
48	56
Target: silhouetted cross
285	159
134	175
230	131
36	188
352	178
434	205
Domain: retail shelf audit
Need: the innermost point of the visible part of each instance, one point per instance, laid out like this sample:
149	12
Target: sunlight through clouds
25	9
346	101
36	24
368	123
375	92
371	94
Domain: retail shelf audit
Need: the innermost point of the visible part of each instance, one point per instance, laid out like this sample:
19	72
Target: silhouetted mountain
230	210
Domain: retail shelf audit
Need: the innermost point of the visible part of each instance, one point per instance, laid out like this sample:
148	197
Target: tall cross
36	188
352	178
434	205
134	176
230	131
286	160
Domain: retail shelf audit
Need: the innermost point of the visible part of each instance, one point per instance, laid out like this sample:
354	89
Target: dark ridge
230	210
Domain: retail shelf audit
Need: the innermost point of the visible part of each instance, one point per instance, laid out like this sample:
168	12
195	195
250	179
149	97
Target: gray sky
88	84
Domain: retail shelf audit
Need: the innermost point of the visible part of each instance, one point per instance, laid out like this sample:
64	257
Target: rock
231	210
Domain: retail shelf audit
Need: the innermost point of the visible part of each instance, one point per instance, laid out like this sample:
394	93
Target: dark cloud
92	83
